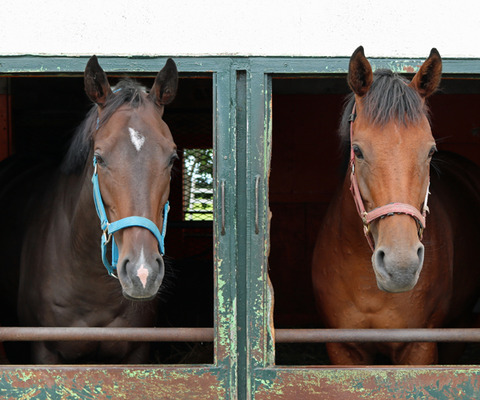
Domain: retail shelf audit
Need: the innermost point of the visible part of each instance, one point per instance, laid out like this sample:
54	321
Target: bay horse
376	262
115	178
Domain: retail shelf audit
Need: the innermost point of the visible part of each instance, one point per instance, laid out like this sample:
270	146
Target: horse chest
365	306
88	315
83	351
91	351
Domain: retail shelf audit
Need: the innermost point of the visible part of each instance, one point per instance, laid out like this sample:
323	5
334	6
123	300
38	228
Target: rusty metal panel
118	382
377	383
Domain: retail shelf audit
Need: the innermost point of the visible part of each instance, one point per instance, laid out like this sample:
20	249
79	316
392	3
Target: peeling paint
111	383
437	383
409	69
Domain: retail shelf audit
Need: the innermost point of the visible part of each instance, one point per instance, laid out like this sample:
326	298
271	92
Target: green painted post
225	232
242	276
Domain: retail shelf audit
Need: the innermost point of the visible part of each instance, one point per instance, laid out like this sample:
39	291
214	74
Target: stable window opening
40	115
306	171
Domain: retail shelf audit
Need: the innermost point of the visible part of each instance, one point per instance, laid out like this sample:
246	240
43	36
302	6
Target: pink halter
382	211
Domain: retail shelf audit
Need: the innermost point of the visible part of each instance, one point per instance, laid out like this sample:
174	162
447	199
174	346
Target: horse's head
134	152
391	149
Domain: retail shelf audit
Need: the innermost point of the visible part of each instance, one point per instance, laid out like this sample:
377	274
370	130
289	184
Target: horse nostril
421	253
380	255
122	268
380	262
161	267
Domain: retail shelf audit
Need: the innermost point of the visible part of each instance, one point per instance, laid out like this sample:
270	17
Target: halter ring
107	236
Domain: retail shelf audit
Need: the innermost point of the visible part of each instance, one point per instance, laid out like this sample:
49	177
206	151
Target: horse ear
427	79
165	86
360	75
96	82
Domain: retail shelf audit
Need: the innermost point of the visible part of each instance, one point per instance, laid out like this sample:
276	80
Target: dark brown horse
402	280
54	232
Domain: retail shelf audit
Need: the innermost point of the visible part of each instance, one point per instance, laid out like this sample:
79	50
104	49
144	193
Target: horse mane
127	91
389	98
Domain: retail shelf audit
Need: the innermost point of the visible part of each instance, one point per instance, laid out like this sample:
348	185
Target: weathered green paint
266	214
118	382
242	279
439	383
30	64
226	350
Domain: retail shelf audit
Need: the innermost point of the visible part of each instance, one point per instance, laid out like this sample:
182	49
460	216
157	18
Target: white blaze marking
142	272
137	138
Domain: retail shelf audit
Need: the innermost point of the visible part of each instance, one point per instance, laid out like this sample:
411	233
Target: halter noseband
382	211
109	228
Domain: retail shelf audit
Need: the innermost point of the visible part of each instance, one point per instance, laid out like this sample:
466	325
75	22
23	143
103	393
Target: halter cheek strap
109	228
382	211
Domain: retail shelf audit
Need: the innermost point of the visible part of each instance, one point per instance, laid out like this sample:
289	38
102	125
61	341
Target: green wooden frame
243	365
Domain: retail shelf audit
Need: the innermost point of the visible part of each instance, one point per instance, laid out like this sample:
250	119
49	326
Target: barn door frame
265	380
244	365
208	381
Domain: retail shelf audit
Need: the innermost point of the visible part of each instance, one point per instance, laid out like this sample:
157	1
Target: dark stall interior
38	115
38	118
305	170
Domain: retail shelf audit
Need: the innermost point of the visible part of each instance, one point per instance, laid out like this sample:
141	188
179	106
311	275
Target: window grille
198	184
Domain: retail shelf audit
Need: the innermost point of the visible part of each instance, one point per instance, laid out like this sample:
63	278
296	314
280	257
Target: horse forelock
126	92
389	98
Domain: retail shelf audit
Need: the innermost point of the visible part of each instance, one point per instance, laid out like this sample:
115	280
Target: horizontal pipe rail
207	335
376	335
106	334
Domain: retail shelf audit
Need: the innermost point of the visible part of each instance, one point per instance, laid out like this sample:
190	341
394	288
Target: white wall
244	27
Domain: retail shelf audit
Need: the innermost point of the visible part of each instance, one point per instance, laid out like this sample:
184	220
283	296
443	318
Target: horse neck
79	236
350	224
85	226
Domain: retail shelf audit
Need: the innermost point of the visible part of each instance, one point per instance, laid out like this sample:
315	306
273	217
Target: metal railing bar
207	334
106	334
377	335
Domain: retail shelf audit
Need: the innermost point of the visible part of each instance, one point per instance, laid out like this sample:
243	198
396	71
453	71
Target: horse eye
432	151
358	153
100	160
173	158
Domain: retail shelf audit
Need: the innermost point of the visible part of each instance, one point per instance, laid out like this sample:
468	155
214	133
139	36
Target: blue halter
109	228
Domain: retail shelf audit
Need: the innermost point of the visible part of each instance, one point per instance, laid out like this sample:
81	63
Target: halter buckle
420	232
364	218
107	236
366	224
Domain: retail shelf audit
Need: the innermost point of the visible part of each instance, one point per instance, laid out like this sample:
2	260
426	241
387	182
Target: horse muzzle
141	276
398	270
